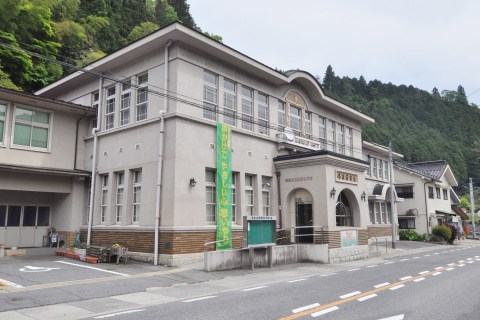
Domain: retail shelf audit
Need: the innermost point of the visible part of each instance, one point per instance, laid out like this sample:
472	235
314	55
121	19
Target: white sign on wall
349	238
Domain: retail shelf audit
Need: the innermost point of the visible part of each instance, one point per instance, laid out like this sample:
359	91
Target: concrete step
41	251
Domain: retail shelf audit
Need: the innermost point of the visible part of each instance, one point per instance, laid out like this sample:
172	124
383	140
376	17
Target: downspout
158	199
279	200
426	206
94	160
76	139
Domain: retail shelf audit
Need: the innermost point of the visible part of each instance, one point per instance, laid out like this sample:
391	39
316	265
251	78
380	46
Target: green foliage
6	82
142	30
183	12
410	235
215	37
454	232
164	13
442	232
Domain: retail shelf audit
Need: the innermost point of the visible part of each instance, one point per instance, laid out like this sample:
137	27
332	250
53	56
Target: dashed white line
254	288
436	273
370	296
397	287
348	295
198	299
319	313
372	266
438	268
326	275
311	306
390	262
353	269
449	269
398	317
418	279
436	253
416	257
461	261
470	261
451	264
381	285
406	278
461	265
118	313
291	281
423	272
427	255
405	259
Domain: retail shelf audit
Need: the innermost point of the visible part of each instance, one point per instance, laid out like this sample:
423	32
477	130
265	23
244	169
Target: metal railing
218	241
371	235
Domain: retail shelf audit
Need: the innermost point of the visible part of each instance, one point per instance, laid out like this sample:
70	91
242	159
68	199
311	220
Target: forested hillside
421	125
73	33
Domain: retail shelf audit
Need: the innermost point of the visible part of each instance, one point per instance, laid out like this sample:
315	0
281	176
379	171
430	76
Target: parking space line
4	282
93	268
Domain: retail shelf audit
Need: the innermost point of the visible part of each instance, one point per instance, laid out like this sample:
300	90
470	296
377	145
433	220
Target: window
405	192
380	169
13	217
266	183
3	215
137	192
125	103
282	117
249	195
321	131
308	125
211	194
230	102
384	212
3	114
95	99
368	159
234	196
263	113
378	213
340	135
32	128
103	211
375	167
296	119
142	97
349	142
210	95
331	135
386	170
406	223
445	194
343	211
430	192
119	202
438	193
29	216
371	211
389	212
247	108
110	108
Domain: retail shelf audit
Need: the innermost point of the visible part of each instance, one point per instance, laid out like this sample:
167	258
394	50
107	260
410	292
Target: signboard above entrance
346	177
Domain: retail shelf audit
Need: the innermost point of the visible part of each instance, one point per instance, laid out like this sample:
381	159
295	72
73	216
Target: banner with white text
224	187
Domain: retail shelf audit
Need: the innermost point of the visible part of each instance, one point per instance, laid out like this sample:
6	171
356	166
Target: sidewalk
203	283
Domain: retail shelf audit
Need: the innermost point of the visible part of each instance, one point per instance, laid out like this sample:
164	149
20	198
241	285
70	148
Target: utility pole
472	207
393	217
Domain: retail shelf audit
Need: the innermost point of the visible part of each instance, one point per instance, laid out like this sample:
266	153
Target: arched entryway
301	204
346	209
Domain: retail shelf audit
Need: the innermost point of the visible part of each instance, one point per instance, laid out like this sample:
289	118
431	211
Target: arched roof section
313	87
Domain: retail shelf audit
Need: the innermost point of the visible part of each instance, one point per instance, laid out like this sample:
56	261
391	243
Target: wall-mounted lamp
364	196
193	183
332	193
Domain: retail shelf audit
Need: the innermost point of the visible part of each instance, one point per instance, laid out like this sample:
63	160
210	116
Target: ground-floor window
344	216
380	212
406	223
26	216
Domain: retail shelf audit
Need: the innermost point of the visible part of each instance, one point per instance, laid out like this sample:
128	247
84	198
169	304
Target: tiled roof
430	169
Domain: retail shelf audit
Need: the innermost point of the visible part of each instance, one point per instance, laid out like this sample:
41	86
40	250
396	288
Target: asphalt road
435	285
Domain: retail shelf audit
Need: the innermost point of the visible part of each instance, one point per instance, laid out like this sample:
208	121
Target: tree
215	37
182	8
164	13
6	82
142	30
329	79
461	97
435	92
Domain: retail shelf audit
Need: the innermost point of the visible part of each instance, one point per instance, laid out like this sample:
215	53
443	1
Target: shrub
442	232
410	235
454	234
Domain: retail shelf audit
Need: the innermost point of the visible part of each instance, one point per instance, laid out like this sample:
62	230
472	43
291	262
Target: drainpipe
160	157
279	200
94	159
426	206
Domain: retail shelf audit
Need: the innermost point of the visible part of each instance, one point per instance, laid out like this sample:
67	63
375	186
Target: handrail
212	242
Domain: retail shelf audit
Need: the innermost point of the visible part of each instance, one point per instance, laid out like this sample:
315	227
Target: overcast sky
424	43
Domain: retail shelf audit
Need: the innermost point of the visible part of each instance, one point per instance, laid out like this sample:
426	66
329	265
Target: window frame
210	106
137	194
110	101
247	103
263	113
401	224
297	118
125	110
249	194
210	189
120	196
32	124
430	192
4	120
142	88
437	191
322	123
104	199
445	194
282	115
230	98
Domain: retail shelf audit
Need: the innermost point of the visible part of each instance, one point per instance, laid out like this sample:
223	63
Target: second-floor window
308	125
247	108
230	102
3	112
110	108
296	119
263	113
125	102
430	192
405	192
349	142
142	97
282	117
331	135
32	128
445	194
210	95
438	192
321	131
340	136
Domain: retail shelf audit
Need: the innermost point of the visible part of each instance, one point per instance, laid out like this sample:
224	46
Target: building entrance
304	220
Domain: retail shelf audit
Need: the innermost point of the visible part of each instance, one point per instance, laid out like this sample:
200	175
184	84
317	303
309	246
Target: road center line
423	272
397	287
118	314
436	273
93	268
406	278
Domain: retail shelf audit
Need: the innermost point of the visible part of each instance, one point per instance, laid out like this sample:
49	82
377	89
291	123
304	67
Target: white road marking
372	266
461	261
436	273
353	269
423	272
436	253
438	268
397	287
390	262
254	288
461	265
36	269
118	313
405	259
311	306
296	280
416	257
11	284
197	299
419	279
405	278
326	275
370	296
319	313
427	255
399	317
469	258
451	264
449	269
351	294
477	257
93	268
470	261
381	285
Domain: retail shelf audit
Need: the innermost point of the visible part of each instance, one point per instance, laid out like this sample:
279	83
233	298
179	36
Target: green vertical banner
224	187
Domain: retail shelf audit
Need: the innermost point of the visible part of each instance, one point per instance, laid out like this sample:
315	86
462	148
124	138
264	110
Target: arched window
343	211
